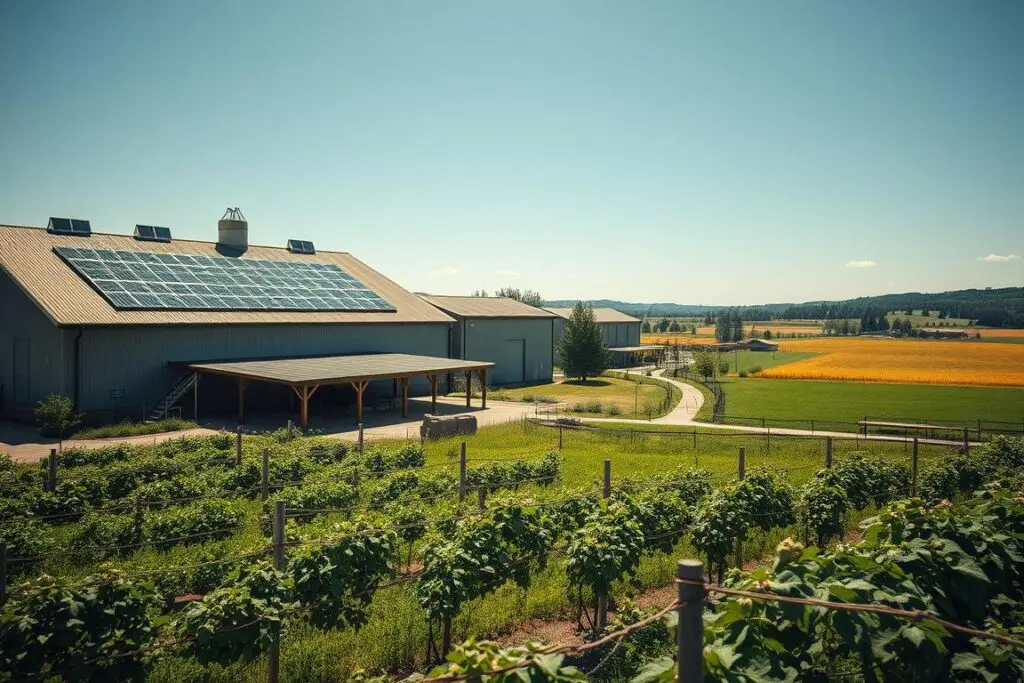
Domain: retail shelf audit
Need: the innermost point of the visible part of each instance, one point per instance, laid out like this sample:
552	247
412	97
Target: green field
932	319
746	360
636	397
831	403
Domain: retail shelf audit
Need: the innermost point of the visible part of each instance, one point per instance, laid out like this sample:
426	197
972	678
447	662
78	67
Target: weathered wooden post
265	475
481	497
51	470
741	473
913	470
462	471
238	446
360	438
607	492
274	656
559	437
828	452
690	630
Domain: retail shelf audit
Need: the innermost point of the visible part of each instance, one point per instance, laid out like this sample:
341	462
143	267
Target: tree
645	327
56	413
767	334
526	296
480	292
723	330
663	325
704	364
723	367
925	313
897	325
736	327
581	347
674	326
693	329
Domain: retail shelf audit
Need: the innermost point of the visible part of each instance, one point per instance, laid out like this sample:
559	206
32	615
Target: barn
620	332
516	337
127	325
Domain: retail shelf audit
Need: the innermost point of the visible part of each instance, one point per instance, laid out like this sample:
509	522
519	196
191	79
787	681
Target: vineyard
209	559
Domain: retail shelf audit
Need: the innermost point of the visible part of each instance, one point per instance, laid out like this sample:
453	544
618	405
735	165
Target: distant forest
1002	307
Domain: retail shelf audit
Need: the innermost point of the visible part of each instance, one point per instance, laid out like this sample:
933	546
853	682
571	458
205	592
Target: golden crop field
665	338
904	360
1000	333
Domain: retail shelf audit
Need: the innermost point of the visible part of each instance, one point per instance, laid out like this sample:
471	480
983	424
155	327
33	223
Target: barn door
20	389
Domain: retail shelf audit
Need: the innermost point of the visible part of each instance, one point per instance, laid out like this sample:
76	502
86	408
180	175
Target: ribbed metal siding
21	319
135	360
488	339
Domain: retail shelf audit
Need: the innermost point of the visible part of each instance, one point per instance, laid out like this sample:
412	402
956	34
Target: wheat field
904	360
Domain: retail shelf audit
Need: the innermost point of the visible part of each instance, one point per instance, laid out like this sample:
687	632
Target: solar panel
149	281
68	226
152	233
301	247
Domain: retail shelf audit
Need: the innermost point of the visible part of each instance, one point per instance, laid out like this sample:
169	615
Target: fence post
265	474
694	438
690	631
979	429
865	426
559	437
289	433
360	438
481	497
274	656
51	471
828	452
607	492
238	446
967	445
812	426
741	472
913	470
769	439
462	471
3	573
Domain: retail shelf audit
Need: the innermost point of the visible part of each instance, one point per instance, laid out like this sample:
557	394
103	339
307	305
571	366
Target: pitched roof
601	315
26	255
486	307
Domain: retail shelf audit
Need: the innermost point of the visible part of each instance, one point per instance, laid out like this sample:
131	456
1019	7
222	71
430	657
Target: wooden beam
241	398
483	387
433	393
404	381
360	387
469	386
304	396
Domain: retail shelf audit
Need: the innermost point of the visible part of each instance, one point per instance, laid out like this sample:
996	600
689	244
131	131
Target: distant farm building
620	332
128	324
761	345
516	337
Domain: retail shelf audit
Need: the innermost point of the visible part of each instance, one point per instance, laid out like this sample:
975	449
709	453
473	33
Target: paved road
693	399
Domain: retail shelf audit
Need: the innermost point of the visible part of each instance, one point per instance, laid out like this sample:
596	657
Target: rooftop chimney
233	230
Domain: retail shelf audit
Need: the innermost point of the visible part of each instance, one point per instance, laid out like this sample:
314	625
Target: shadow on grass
587	383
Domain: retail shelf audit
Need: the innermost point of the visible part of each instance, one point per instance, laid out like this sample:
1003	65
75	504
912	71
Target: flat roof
601	315
486	307
27	256
339	369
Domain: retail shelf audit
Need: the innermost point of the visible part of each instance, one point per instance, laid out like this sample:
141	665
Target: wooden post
741	470
865	426
483	388
241	399
828	452
238	446
404	381
274	656
769	439
913	470
469	387
51	471
195	400
462	471
265	475
559	437
289	431
360	438
433	393
359	387
967	444
607	492
690	630
481	497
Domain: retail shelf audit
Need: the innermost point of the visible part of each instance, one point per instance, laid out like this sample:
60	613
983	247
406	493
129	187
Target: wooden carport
305	375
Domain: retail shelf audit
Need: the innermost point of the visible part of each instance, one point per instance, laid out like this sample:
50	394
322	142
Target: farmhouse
620	332
128	325
761	345
516	337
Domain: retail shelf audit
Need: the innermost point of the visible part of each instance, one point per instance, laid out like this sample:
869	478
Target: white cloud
860	264
445	272
996	258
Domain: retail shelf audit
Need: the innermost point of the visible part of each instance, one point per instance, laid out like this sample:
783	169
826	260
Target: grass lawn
597	396
134	429
745	360
838	405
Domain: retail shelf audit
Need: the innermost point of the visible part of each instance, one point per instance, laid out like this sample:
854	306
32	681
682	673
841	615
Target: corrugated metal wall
31	352
519	347
613	334
133	362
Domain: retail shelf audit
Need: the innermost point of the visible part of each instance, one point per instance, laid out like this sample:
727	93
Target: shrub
124	477
528	398
76	457
99	536
203	521
578	408
613	410
329	454
691	485
25	538
134	429
755	369
336	494
64	505
1004	451
243	479
743	373
55	415
723	367
953	475
160	494
392	488
823	508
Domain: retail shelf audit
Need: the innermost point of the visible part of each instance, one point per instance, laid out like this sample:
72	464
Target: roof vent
301	247
233	229
152	233
68	226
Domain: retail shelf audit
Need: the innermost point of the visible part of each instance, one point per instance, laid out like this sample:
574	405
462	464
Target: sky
701	153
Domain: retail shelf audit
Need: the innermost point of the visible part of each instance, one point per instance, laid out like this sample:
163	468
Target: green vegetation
581	346
749	360
55	415
134	429
838	405
611	394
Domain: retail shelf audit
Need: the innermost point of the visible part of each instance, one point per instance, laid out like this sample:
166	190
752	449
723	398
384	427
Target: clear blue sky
733	152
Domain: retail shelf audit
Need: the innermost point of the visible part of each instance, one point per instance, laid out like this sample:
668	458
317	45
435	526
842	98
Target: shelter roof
486	307
601	315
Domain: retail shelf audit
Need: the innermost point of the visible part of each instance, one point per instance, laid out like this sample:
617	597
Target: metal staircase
163	406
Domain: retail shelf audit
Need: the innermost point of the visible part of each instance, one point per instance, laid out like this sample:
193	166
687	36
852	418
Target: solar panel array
301	247
149	281
69	226
152	233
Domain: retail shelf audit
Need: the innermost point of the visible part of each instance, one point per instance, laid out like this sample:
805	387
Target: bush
613	410
25	538
160	494
99	536
77	457
723	367
336	494
55	415
953	475
205	521
329	454
134	429
743	373
755	369
392	488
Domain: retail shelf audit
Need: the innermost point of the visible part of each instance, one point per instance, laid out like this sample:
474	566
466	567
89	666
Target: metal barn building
516	337
619	331
116	321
